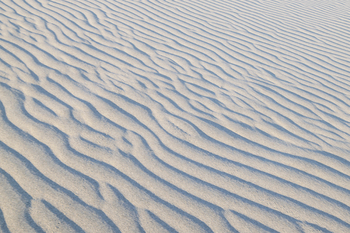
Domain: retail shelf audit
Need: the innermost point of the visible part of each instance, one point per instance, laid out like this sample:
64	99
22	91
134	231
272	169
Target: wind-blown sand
174	116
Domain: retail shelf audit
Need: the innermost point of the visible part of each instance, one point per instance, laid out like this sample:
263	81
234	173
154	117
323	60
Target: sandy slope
174	116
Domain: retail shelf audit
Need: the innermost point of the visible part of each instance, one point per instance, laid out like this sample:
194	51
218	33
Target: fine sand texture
174	116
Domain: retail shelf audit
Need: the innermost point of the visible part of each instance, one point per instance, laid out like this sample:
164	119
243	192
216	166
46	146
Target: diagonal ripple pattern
174	116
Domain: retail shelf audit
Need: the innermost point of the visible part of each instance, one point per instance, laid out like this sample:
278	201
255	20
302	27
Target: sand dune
174	116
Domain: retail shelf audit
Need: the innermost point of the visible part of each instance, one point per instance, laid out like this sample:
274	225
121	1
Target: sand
174	116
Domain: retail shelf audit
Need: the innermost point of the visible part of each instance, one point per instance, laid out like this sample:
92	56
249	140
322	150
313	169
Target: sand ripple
174	116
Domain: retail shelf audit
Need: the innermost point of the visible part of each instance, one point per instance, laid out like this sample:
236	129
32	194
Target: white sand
174	116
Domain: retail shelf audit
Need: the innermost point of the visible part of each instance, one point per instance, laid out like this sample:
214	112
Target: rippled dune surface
174	116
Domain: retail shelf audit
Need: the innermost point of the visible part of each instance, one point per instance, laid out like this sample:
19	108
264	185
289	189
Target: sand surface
174	116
